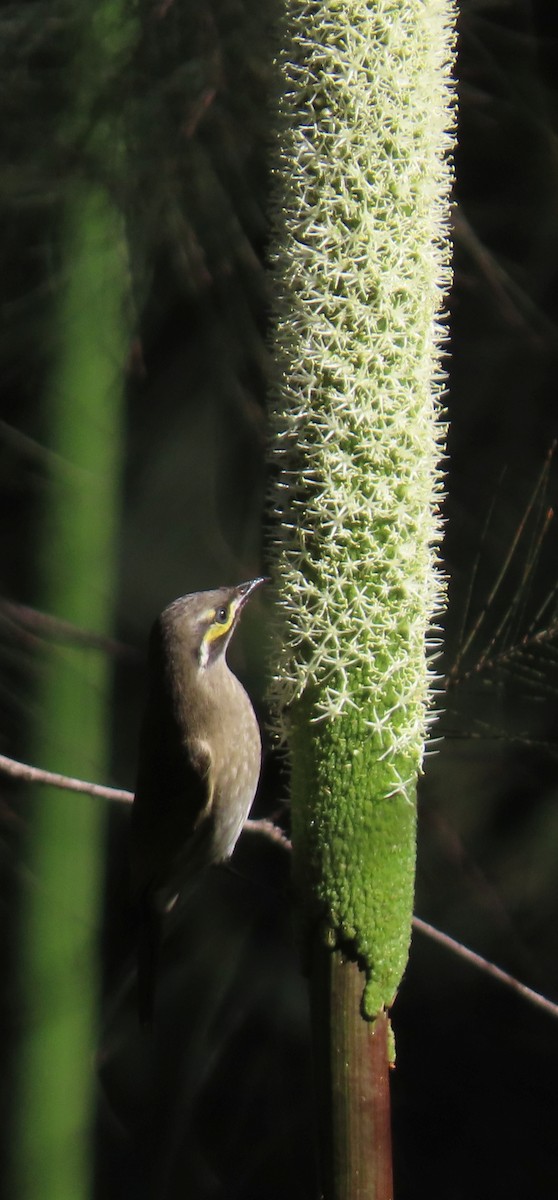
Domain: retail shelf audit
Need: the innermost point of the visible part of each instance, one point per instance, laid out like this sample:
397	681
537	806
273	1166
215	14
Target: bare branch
64	631
19	770
483	964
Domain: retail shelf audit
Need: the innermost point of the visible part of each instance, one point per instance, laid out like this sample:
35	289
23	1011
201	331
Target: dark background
219	1103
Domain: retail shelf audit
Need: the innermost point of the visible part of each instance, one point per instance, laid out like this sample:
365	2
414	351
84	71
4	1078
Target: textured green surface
360	268
354	848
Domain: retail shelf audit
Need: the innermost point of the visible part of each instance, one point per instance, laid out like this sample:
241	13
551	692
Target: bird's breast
232	734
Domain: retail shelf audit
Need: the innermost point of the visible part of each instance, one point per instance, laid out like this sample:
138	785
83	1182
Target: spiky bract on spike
360	266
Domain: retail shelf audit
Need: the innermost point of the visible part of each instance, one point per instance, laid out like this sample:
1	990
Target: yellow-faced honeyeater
199	762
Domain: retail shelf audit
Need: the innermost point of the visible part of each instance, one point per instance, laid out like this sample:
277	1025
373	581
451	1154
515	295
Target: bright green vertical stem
61	922
84	409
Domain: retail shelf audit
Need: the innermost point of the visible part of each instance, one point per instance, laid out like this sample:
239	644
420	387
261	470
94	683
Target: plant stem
353	1097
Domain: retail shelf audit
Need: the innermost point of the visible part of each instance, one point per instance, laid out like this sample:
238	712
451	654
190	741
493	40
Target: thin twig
491	657
64	631
501	658
489	968
516	306
19	770
465	639
28	446
521	592
504	568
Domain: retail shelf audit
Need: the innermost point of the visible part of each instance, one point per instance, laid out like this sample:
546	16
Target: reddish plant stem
352	1079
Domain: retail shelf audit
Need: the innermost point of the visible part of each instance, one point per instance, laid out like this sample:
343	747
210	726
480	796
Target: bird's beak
244	590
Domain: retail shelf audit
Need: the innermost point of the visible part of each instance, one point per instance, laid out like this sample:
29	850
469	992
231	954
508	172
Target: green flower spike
360	267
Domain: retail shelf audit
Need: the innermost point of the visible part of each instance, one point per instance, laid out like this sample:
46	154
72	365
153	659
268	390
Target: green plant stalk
62	912
60	969
360	268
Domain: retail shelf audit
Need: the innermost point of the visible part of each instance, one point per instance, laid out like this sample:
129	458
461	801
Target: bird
199	763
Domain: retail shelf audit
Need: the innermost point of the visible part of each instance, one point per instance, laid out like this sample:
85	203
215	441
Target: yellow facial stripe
218	628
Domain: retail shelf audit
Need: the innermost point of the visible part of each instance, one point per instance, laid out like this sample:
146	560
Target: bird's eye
221	615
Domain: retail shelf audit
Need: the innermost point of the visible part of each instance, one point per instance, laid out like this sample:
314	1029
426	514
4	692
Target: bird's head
203	623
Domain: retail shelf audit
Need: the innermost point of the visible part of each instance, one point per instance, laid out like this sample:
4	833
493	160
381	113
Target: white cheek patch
203	655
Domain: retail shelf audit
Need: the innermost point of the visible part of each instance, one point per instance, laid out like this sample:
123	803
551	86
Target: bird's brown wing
170	812
172	799
173	789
